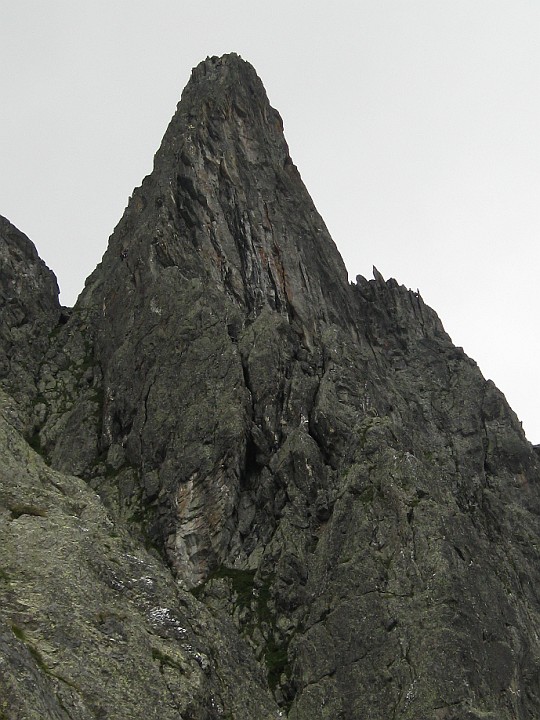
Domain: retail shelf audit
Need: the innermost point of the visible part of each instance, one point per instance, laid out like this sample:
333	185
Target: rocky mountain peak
312	464
223	180
225	103
230	85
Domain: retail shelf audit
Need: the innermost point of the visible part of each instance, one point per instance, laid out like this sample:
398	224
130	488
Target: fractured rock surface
334	500
92	624
29	312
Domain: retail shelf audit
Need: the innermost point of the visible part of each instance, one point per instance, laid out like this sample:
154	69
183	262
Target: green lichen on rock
84	601
267	491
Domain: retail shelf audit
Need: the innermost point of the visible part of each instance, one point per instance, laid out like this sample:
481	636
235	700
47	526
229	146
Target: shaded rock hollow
311	461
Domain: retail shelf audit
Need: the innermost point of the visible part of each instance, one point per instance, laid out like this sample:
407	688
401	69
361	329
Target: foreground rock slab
92	625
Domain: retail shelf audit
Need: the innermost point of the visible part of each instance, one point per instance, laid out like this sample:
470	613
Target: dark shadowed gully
233	485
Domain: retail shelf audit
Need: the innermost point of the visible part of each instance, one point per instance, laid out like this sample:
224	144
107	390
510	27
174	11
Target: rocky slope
320	489
92	624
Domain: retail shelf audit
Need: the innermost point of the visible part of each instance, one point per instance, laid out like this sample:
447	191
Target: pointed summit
221	241
232	80
218	206
222	93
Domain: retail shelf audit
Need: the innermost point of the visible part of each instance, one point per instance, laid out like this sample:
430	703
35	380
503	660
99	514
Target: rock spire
320	489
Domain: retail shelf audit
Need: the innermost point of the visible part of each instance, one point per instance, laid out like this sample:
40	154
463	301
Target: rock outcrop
29	312
304	475
92	624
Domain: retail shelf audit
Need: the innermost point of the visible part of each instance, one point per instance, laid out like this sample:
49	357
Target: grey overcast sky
414	124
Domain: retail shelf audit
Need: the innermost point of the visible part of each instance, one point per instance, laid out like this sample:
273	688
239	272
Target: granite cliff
233	484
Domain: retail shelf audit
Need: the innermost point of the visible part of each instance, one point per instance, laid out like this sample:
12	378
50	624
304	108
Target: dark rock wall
219	244
29	312
315	461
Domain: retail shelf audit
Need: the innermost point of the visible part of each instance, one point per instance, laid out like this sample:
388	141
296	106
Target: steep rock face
29	311
422	584
220	241
315	460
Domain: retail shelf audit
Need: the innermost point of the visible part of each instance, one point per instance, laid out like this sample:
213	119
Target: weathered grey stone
92	625
29	312
354	504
